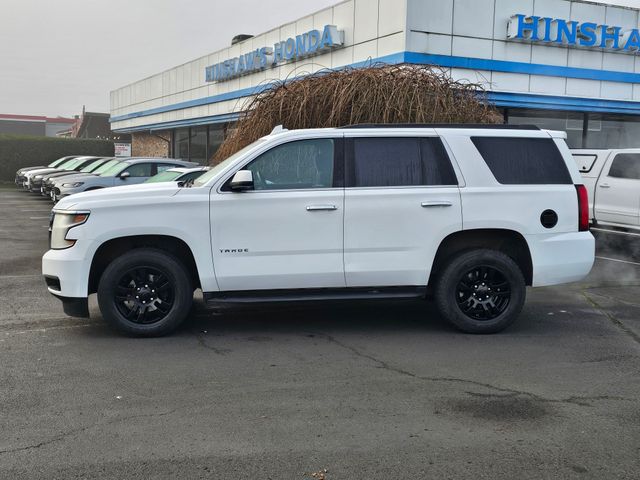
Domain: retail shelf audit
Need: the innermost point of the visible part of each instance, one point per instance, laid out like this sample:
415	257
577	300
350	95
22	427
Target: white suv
467	214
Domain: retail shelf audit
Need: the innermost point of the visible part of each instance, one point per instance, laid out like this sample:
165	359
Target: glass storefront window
181	144
198	146
612	131
216	136
570	122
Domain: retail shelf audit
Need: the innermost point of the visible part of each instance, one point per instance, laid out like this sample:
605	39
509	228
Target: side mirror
241	181
124	175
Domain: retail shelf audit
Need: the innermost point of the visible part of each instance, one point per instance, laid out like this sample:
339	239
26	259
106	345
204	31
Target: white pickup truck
612	178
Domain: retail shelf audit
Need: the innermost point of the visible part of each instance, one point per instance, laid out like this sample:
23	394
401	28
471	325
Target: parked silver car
129	171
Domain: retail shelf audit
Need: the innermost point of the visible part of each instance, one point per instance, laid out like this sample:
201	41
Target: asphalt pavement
377	391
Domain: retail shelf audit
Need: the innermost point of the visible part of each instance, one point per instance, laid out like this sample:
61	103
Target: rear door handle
436	203
316	208
604	185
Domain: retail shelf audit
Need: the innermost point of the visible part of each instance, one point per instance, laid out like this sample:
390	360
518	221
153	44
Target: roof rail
278	129
498	126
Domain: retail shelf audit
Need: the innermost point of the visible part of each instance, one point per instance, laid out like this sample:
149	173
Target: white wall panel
616	90
622	17
549	55
391	44
547	85
343	17
509	82
511	51
429	43
392	17
473	16
366	20
552	8
364	51
342	57
471	47
587	12
583	88
429	16
504	9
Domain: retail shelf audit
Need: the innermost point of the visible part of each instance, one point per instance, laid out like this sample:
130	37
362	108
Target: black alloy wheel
483	293
144	295
480	291
145	292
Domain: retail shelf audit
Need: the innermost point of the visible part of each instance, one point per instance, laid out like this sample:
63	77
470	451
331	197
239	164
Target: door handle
436	203
317	208
604	185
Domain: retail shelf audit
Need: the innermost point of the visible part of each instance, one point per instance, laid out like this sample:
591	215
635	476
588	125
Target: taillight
583	208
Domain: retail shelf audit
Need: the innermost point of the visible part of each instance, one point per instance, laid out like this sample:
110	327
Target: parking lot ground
377	391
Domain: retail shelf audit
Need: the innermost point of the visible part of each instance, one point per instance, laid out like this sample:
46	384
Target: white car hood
129	194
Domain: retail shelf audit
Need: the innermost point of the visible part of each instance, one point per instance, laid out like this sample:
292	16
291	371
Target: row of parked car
80	173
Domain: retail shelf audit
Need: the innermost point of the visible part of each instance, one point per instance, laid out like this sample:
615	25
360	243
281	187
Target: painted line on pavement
618	260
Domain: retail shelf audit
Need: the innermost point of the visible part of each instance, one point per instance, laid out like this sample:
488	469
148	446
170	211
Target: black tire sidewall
150	257
446	289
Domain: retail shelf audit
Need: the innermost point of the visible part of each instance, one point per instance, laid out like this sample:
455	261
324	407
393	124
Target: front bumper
65	192
71	270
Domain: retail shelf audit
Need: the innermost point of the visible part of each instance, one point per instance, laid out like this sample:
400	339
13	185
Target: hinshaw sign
310	43
557	31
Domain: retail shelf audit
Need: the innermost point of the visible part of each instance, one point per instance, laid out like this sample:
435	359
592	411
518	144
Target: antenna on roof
277	129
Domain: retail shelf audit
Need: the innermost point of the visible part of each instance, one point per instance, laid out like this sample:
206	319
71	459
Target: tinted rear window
523	161
398	161
626	165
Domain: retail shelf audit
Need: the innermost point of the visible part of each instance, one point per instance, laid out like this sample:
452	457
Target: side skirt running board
315	294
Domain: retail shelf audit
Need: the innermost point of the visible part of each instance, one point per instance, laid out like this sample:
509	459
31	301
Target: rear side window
398	161
584	162
523	161
626	165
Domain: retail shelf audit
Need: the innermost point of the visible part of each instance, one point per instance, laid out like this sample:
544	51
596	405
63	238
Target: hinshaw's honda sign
310	43
557	31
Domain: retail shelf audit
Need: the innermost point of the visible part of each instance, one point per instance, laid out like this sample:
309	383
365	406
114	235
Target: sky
56	56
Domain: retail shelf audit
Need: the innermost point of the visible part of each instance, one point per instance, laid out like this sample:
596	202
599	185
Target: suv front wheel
481	291
145	292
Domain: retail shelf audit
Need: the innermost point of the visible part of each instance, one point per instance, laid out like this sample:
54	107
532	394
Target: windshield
69	164
165	176
57	162
107	166
115	169
92	166
223	164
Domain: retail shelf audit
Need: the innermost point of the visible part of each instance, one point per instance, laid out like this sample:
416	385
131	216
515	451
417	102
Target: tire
129	302
480	291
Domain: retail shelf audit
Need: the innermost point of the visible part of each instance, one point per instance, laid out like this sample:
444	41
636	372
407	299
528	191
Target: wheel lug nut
137	296
143	301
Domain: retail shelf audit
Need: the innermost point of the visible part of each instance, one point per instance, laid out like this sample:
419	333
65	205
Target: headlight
61	223
72	185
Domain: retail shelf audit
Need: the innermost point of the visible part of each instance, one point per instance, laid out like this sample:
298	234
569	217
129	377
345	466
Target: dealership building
559	64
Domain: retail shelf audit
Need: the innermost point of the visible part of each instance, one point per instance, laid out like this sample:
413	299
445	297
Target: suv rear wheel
145	292
481	291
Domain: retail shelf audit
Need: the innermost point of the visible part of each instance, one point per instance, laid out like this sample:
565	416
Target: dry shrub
377	94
